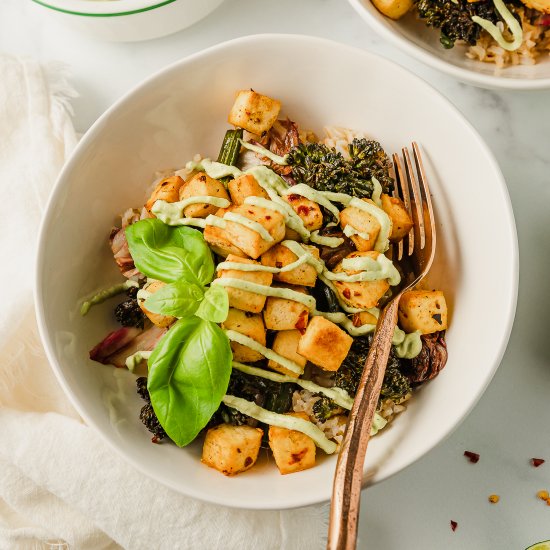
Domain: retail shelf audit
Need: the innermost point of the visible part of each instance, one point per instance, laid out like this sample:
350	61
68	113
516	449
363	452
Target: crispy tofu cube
423	310
309	211
324	343
156	318
395	9
254	112
245	186
364	223
292	235
293	451
364	294
231	449
250	325
281	256
401	221
286	344
202	184
283	314
364	318
244	299
167	190
218	242
249	240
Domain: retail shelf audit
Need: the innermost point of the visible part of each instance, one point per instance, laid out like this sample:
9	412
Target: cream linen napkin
58	480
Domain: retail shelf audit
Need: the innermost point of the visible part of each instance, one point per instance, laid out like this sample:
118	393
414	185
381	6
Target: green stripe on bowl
160	4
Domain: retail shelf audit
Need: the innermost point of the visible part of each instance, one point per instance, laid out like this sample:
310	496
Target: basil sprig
189	369
168	253
178	299
189	373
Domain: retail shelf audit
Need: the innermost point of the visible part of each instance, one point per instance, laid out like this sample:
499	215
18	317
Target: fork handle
346	491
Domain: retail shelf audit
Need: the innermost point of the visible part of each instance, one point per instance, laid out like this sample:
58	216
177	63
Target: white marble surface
510	424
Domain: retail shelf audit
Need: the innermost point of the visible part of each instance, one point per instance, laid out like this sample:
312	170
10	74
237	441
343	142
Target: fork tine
417	210
397	248
405	196
426	196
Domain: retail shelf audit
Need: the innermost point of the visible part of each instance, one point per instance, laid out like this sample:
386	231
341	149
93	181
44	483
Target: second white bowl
421	42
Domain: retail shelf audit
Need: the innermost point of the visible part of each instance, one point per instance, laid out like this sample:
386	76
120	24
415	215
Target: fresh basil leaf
215	305
170	253
189	373
179	299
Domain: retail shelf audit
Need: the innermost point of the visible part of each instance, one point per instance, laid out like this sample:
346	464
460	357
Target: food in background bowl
254	327
502	32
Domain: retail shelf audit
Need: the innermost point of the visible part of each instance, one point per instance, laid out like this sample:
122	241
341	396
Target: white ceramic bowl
128	20
414	38
182	110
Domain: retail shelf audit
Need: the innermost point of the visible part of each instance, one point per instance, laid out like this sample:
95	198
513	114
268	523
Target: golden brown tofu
394	9
156	318
286	344
539	5
423	310
245	186
249	240
244	299
283	314
281	256
401	221
364	294
364	223
324	343
167	190
292	235
218	242
254	112
250	325
201	185
293	451
231	449
364	318
309	211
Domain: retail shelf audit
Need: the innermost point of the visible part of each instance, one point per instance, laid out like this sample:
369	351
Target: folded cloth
60	485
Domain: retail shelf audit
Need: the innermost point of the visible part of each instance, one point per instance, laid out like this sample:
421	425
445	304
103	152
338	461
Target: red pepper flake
472	457
537	462
346	293
293	197
454	525
303	210
356	320
301	324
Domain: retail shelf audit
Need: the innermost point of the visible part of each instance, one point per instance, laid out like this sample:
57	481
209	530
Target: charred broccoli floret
129	314
395	385
348	375
324	408
370	160
454	18
269	395
147	414
326	169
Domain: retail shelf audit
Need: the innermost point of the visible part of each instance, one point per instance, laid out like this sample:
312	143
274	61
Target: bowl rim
95	8
301	500
437	63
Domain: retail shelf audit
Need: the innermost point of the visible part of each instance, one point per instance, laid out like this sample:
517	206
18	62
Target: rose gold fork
418	248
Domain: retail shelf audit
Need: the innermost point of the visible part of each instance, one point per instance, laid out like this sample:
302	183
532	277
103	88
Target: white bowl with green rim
129	20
